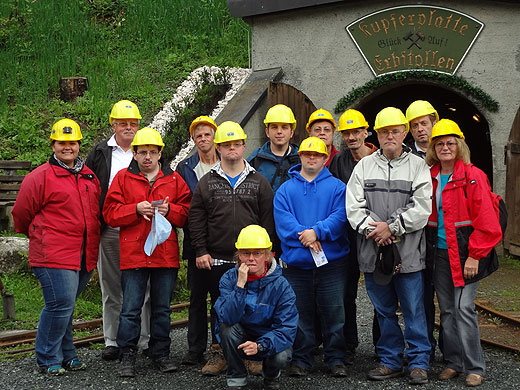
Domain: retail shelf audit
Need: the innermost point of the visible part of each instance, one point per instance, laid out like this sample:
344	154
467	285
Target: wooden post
72	87
7	303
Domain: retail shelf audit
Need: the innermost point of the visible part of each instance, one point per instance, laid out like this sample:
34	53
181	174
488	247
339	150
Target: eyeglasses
449	144
386	133
311	154
248	254
127	124
144	153
235	145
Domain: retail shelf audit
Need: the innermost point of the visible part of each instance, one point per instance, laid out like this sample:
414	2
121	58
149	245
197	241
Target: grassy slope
128	49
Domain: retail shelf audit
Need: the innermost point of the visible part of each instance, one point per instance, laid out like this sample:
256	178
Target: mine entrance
448	104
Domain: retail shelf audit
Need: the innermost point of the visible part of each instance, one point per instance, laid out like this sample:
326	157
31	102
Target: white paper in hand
319	258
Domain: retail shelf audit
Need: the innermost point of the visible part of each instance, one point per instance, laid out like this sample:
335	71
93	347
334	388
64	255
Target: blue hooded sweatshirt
320	205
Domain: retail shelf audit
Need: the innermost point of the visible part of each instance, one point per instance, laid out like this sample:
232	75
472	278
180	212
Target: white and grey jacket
398	192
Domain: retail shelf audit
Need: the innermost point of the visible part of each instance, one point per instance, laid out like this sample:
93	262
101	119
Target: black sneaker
127	367
165	364
193	358
272	383
110	353
297	371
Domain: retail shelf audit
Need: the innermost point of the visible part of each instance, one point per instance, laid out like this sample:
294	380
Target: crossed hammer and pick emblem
420	37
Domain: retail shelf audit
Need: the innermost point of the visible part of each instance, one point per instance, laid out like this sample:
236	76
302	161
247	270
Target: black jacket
99	160
218	212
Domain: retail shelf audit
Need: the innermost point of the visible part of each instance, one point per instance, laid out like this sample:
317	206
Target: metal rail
29	336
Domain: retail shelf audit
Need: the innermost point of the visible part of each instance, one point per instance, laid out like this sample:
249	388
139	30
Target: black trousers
202	282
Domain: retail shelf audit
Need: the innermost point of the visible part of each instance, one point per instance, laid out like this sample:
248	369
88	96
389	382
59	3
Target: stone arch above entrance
449	104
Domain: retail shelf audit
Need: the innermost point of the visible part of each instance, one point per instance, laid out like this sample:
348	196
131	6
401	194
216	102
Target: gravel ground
503	370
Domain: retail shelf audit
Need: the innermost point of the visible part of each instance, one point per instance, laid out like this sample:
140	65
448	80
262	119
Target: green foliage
127	49
208	93
383	81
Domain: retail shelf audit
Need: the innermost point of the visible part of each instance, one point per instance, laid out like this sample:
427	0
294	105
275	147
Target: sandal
75	365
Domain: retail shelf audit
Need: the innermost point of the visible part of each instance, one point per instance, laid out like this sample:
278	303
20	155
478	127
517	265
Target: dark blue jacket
264	307
268	165
320	205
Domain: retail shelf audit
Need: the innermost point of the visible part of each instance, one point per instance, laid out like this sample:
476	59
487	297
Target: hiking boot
473	380
216	363
297	371
110	353
338	371
253	367
165	364
449	373
193	358
380	373
418	376
127	366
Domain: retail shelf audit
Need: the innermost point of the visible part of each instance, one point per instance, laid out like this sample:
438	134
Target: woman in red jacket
57	208
462	231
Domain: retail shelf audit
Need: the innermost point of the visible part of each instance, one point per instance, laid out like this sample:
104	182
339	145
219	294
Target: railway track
496	328
29	337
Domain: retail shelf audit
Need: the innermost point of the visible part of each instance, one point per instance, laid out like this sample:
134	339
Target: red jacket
56	210
130	187
470	220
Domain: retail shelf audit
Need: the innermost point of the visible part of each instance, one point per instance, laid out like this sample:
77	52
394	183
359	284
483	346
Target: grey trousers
112	293
461	335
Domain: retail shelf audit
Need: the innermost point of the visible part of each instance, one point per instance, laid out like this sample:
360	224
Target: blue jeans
230	338
133	282
408	290
60	287
322	288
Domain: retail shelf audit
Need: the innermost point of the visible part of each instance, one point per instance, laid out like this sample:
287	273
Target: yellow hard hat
124	109
66	130
320	115
280	113
147	136
420	108
204	120
446	127
253	237
313	144
390	116
229	131
352	119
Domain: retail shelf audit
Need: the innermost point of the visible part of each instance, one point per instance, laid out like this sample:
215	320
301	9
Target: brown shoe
473	380
254	367
216	363
418	376
380	373
449	373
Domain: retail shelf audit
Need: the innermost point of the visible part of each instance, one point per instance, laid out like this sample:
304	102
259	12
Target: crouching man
256	313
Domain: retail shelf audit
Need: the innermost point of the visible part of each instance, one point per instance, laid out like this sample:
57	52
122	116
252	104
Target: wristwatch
260	347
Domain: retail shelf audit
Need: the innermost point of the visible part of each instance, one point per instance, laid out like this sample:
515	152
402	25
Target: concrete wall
318	57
